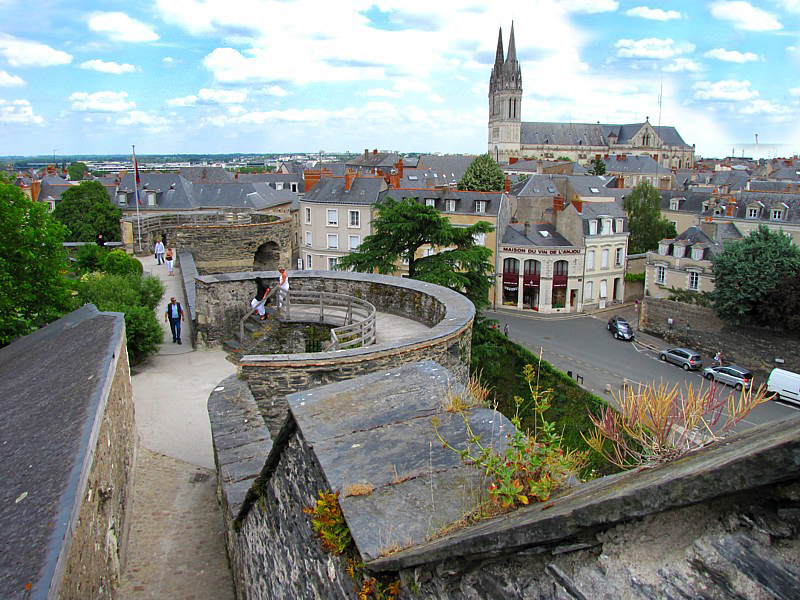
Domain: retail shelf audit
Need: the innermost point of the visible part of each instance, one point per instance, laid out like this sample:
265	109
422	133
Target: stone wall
750	347
235	248
99	538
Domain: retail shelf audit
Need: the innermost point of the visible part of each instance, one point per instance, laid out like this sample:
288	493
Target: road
581	344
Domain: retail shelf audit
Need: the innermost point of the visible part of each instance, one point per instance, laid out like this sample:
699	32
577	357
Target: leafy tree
402	228
483	175
598	166
747	270
77	170
118	262
647	226
86	211
33	290
781	306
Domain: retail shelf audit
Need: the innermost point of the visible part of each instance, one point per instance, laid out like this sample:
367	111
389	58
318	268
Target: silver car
730	375
688	359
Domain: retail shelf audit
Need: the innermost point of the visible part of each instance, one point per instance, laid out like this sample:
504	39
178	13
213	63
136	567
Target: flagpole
136	184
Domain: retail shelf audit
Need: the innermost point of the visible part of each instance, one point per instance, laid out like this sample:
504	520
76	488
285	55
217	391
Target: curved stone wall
221	300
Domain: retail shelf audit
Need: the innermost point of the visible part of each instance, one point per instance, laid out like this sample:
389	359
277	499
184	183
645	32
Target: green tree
483	175
646	225
747	270
33	289
77	170
781	306
86	211
402	228
598	166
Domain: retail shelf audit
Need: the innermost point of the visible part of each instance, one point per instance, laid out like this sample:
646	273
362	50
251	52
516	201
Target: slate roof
51	387
590	134
540	234
735	180
633	163
694	236
773	186
585	185
465	201
331	190
206	174
174	191
53	186
692	202
594	210
449	166
256	196
769	199
535	185
384	160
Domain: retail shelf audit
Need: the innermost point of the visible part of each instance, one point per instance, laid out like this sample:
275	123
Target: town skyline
264	77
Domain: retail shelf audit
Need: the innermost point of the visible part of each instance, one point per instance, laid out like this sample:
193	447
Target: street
581	344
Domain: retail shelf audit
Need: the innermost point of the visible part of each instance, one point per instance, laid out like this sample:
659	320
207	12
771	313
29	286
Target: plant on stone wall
690	297
657	424
533	464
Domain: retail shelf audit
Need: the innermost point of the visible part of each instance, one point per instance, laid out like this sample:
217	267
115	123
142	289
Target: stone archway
267	257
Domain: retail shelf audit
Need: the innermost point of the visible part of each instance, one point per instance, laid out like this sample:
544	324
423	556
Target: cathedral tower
505	102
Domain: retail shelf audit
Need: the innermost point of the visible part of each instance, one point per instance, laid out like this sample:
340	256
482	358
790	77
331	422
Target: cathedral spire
512	47
499	58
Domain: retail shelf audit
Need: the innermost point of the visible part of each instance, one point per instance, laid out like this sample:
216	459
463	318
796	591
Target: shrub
90	257
143	331
117	262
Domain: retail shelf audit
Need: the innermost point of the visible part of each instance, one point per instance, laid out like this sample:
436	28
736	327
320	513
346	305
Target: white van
784	384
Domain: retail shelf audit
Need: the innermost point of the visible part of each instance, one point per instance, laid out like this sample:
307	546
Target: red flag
138	181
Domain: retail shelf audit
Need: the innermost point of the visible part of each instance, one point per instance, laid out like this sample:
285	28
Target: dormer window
697	253
674	204
480	206
430	202
663	248
151	198
618	225
450	205
677	251
593	227
607	226
776	214
752	213
122	199
719	210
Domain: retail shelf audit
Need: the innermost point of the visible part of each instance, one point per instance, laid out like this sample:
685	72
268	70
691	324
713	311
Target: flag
138	181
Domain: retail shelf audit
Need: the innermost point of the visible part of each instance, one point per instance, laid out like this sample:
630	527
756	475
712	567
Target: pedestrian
505	329
283	287
159	251
100	240
170	260
259	300
718	359
174	315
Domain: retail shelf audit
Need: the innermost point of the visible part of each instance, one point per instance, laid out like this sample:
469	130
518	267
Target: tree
483	175
86	211
647	226
402	228
747	270
33	289
77	170
598	166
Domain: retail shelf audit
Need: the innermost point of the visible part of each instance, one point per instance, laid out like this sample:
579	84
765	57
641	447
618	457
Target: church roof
590	134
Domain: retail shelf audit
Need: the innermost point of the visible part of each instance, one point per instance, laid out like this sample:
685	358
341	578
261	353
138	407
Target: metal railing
358	317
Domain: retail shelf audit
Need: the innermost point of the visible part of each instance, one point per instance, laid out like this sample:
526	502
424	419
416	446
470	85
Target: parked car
688	359
784	385
730	375
621	329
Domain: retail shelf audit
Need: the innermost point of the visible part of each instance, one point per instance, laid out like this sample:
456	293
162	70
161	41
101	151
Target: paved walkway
176	547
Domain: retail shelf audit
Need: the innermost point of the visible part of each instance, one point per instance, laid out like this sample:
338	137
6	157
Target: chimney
578	204
349	176
311	177
540	167
674	170
558	203
507	186
512	160
374	152
203	177
366	153
731	208
236	175
597	158
36	188
527	229
399	167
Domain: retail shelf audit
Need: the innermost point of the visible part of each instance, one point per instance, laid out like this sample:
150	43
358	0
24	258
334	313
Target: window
604	259
430	202
122	199
480	206
590	260
308	262
354	219
594	190
294	187
589	290
697	253
308	238
674	204
151	198
593	227
333	241
677	250
752	213
333	216
603	288
450	205
618	257
663	249
308	215
661	275
619	226
561	268
777	214
607	228
278	185
510	265
353	242
480	239
333	261
694	280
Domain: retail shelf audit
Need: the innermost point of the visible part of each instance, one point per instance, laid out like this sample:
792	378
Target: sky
285	76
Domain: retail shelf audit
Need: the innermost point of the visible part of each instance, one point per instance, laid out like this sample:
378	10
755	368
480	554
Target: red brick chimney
507	186
558	203
349	176
578	204
512	160
374	152
399	167
620	182
36	188
311	177
236	175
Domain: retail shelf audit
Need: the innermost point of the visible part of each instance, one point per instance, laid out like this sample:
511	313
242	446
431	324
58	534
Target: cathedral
510	138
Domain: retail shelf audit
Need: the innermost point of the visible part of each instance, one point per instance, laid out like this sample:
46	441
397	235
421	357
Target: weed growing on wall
534	464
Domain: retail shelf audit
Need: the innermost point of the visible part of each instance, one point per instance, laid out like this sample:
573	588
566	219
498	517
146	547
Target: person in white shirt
283	287
159	251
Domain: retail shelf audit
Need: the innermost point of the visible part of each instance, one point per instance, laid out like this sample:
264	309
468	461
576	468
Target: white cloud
24	53
744	15
275	90
103	66
105	101
679	65
121	28
589	6
652	48
795	91
731	55
18	111
189	100
138	117
384	93
724	90
790	5
654	14
211	96
9	80
769	109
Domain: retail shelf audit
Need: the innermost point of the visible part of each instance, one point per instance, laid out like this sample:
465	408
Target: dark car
621	329
730	375
688	359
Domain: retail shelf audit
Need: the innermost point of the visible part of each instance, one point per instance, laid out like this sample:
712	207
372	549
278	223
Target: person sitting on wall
260	299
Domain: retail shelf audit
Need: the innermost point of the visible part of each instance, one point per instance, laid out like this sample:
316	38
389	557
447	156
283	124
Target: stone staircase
254	330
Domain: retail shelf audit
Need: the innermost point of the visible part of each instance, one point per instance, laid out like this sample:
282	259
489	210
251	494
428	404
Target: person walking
505	329
258	301
174	315
283	287
718	359
170	261
159	252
